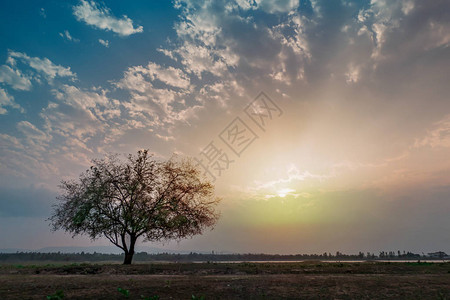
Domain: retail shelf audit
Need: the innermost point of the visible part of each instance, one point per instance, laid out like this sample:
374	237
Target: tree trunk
128	258
129	254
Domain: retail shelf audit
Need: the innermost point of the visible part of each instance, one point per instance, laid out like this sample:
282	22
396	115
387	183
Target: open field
299	280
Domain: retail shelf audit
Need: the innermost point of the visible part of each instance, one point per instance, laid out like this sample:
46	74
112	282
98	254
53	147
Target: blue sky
360	153
40	31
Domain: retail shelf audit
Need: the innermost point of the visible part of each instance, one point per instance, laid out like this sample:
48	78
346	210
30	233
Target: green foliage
124	292
168	283
193	297
56	296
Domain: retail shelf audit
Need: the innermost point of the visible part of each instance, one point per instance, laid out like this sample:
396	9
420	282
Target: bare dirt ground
300	280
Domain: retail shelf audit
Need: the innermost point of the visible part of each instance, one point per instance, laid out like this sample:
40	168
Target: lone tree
139	197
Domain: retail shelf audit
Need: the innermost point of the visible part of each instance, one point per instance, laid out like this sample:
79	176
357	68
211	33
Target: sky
325	125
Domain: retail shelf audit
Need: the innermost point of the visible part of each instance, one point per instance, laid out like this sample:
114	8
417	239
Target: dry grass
309	280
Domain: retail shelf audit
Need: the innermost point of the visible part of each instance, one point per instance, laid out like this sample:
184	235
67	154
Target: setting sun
284	192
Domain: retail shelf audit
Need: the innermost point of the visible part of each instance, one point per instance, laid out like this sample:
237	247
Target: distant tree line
147	257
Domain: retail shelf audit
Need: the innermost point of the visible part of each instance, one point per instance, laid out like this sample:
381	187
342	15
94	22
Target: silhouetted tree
140	197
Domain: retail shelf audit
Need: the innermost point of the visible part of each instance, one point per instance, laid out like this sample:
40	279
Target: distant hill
12	250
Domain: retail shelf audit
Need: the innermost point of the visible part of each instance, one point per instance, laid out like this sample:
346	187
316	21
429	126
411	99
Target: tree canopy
138	197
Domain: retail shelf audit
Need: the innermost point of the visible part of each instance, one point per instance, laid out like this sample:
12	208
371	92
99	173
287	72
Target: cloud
290	178
92	14
12	75
7	100
158	94
407	26
66	35
165	137
278	6
74	126
225	42
168	75
42	12
31	132
15	78
352	74
221	50
23	154
80	113
43	66
268	6
438	136
104	42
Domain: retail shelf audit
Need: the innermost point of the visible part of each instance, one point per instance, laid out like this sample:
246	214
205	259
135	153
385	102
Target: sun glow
283	192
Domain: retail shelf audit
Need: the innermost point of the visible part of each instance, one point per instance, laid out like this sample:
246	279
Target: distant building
438	254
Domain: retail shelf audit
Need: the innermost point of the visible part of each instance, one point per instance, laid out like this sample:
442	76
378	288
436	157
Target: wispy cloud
168	75
43	66
15	78
37	68
158	94
66	35
42	12
293	175
104	42
438	136
278	6
7	100
93	14
32	133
